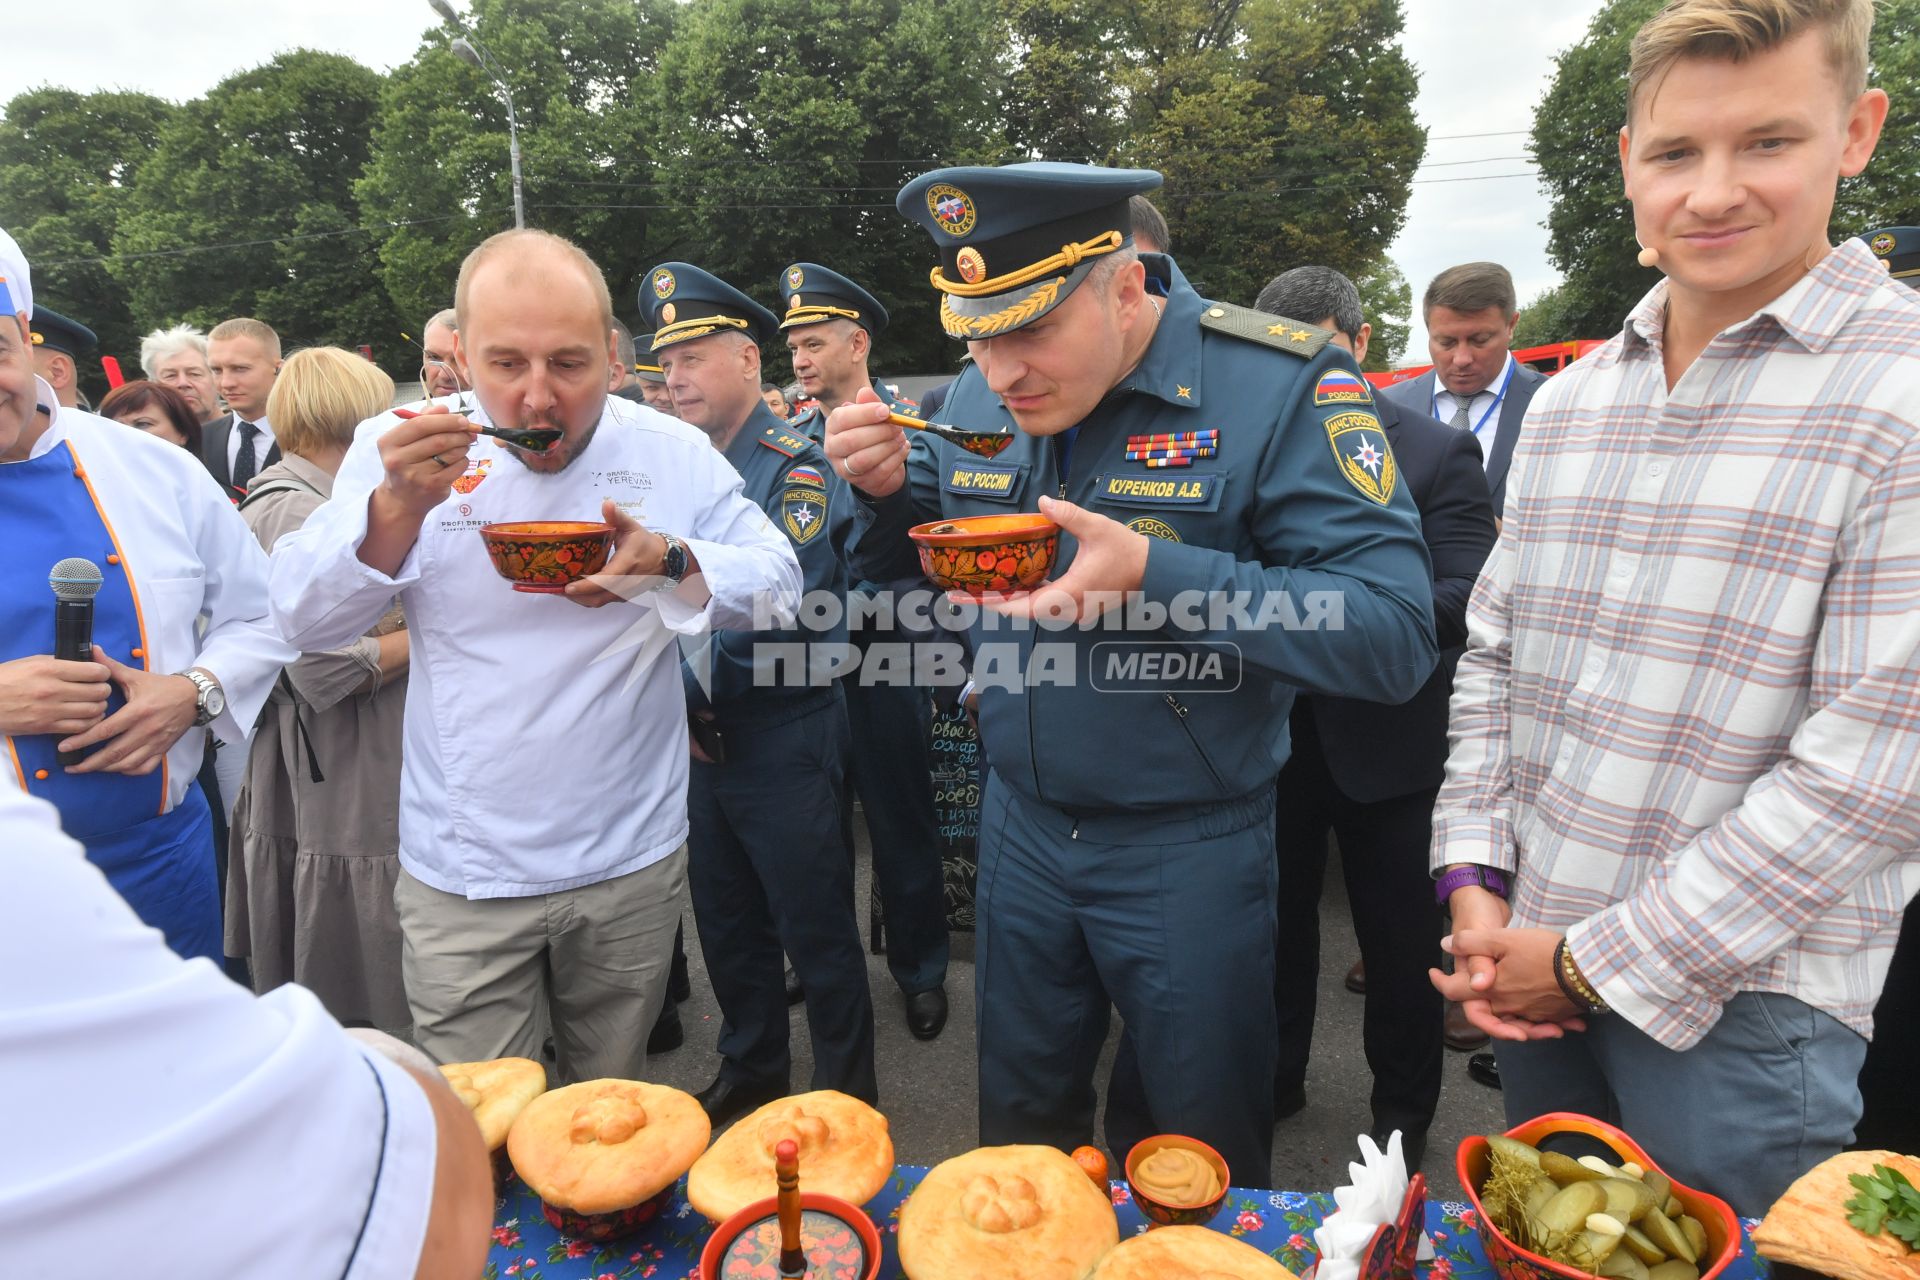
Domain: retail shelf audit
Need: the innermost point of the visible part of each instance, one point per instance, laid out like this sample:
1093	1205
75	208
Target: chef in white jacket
543	812
171	554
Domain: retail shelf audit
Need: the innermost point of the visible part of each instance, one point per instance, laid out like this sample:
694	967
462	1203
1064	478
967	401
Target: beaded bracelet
1573	985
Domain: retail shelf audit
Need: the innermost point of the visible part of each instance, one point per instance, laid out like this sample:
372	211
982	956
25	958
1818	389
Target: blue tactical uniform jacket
787	477
1301	497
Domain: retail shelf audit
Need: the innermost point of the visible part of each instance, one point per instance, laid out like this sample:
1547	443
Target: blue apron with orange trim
161	863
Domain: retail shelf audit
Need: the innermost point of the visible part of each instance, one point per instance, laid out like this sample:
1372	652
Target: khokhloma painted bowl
981	554
546	555
1199	1171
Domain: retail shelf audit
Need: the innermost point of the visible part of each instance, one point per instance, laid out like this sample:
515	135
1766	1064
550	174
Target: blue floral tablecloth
1279	1223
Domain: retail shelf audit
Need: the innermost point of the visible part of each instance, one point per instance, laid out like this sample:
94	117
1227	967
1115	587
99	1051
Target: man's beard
558	458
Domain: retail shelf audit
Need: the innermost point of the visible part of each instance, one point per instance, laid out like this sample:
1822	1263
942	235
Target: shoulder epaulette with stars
782	441
1268	330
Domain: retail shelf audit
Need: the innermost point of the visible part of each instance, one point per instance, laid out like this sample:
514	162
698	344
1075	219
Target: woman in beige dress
315	830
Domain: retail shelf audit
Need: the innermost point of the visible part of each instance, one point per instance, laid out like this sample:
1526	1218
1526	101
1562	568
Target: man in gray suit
1475	384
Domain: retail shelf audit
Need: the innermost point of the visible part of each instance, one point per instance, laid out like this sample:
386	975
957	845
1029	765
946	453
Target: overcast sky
1482	66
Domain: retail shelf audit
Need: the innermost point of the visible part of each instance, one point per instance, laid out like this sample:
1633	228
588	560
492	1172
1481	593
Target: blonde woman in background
315	831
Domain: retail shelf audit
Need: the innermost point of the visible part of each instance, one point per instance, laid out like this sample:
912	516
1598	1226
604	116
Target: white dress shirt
261	443
161	1120
545	744
1483	408
198	572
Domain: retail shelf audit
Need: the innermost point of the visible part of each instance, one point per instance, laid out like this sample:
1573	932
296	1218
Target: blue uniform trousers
164	868
768	870
890	724
1170	917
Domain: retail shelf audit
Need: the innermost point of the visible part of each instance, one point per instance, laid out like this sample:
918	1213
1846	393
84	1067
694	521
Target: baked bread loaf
1006	1211
845	1151
1808	1226
496	1092
605	1145
1188	1253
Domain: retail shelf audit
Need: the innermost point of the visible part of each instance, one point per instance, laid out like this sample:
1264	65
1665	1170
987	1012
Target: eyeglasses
451	372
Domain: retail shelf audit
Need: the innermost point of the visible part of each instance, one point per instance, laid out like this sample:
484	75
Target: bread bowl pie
496	1092
845	1151
603	1155
1188	1253
1808	1227
1006	1211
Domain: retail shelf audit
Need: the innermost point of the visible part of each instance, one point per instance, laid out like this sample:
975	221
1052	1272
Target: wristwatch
673	565
1494	882
212	699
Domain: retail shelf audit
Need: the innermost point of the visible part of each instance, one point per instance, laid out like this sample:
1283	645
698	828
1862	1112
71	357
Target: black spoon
536	439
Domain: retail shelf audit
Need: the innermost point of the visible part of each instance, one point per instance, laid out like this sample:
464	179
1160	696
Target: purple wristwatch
1487	878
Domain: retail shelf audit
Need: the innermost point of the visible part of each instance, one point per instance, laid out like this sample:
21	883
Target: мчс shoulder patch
803	512
1360	449
1267	330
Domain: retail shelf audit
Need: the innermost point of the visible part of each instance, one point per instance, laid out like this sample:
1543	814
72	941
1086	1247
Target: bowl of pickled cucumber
1542	1213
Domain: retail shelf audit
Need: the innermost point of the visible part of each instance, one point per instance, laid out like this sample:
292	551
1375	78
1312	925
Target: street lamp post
467	51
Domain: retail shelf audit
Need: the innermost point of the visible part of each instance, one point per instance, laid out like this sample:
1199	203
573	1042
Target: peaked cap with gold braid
681	302
1016	240
1899	248
815	295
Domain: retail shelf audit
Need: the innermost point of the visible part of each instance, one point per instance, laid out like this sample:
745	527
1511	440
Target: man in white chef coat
543	813
154	1108
171	554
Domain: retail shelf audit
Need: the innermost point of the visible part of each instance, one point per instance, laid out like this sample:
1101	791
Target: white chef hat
15	276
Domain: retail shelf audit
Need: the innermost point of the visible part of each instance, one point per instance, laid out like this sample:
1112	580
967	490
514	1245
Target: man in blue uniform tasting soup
1233	529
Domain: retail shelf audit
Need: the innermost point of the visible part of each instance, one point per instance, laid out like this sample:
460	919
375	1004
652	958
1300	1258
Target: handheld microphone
75	582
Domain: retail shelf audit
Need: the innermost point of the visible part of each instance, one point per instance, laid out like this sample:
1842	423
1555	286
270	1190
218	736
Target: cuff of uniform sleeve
1621	959
1477	840
1175	567
401	1199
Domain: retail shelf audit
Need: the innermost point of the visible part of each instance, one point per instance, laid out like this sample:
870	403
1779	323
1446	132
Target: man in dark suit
238	445
1368	772
1475	384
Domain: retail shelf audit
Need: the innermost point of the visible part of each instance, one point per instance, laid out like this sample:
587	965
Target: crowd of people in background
1615	740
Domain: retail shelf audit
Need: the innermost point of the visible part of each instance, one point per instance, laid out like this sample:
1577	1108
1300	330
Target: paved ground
928	1089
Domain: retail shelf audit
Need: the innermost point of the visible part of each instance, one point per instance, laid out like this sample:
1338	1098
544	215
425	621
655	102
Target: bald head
531	260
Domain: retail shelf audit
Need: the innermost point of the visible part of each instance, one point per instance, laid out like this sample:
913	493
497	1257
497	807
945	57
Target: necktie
1462	420
248	462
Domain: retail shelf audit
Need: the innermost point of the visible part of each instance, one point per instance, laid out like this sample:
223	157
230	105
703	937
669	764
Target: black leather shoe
724	1100
795	993
667	1034
927	1013
1291	1103
1484	1068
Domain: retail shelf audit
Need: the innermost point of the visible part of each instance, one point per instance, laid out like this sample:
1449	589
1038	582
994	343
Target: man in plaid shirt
1686	732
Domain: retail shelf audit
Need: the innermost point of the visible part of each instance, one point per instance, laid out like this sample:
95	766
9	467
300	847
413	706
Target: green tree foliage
1386	300
742	134
263	166
583	78
1575	141
796	122
1285	129
66	172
